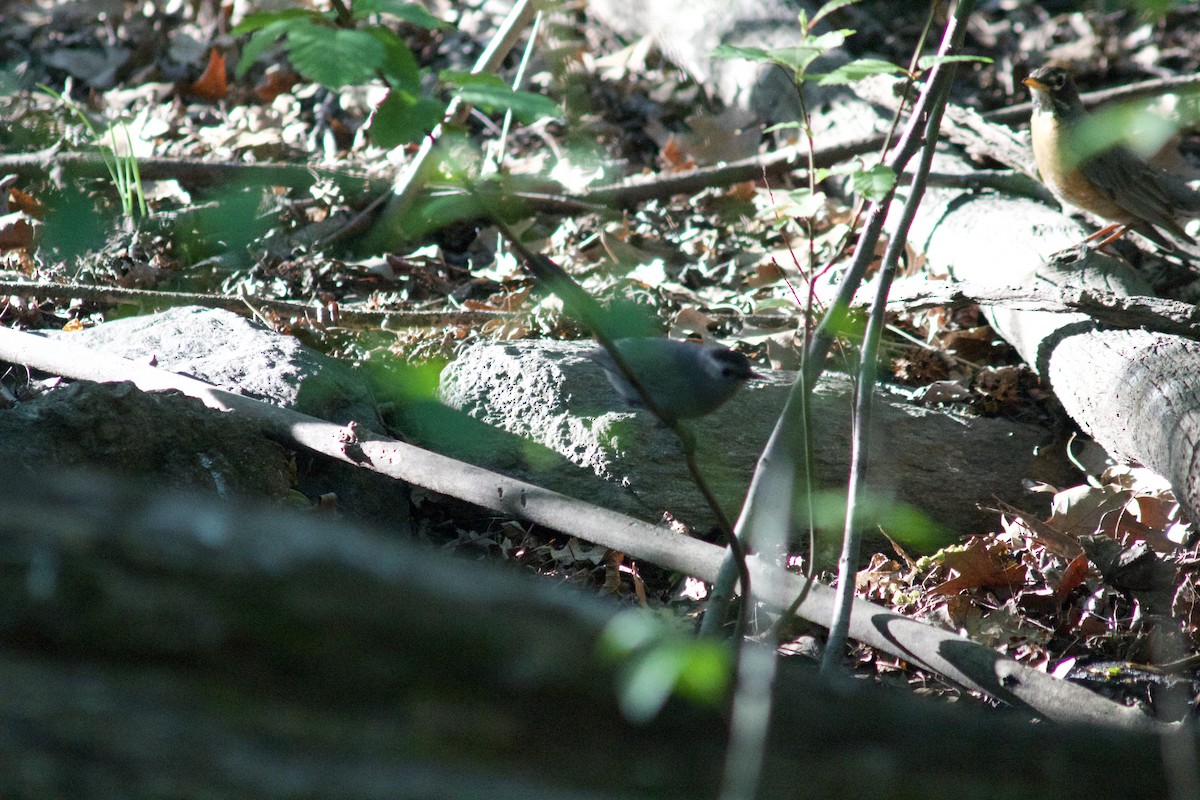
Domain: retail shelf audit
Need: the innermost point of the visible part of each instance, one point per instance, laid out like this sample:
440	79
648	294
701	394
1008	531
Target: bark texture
1137	393
166	646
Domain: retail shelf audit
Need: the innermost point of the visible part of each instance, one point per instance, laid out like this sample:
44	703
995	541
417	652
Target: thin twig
776	164
1018	112
190	171
158	299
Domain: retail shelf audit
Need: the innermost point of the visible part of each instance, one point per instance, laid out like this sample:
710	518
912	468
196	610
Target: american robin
1114	184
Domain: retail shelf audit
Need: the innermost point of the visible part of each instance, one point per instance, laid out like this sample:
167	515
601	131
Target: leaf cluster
872	183
353	47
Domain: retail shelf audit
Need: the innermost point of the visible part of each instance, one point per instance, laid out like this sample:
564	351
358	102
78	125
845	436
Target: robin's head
1054	91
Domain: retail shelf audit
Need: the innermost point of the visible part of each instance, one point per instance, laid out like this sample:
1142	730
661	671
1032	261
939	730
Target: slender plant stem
766	513
938	91
518	82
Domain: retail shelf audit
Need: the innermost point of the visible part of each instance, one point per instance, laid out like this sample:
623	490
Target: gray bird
685	379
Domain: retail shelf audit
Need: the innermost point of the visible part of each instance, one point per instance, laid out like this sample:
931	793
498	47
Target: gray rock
940	462
224	349
687	31
231	352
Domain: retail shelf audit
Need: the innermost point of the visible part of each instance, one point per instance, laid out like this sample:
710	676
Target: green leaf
265	37
1155	9
254	22
784	126
525	106
861	68
799	203
829	8
901	522
431	213
840	320
747	53
627	632
925	62
457	162
335	57
705	672
488	92
648	684
399	64
657	662
409	12
402	118
798	57
873	183
829	40
461	77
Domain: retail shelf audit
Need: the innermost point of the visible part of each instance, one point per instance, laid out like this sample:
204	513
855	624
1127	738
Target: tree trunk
1135	392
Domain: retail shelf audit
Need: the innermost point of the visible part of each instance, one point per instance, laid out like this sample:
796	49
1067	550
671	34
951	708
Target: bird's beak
1033	83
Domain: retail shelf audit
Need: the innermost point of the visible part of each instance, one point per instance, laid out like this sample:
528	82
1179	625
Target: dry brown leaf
1019	524
765	275
1082	510
20	201
744	191
673	157
691	321
1072	577
612	572
17	231
981	565
211	86
275	82
971	344
1129	528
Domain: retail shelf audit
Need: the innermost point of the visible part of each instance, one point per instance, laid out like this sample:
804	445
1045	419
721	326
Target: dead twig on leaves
1113	310
385	318
187	170
772	165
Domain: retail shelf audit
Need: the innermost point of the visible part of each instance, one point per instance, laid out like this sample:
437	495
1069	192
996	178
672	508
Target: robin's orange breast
1069	185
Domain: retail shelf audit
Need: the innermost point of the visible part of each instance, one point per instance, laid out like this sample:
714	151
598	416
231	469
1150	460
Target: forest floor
162	82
